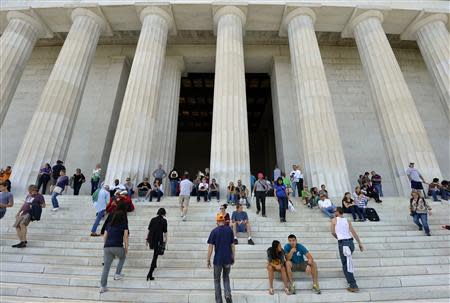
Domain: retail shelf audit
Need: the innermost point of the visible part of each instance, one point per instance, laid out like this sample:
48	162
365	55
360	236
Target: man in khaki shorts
185	194
295	261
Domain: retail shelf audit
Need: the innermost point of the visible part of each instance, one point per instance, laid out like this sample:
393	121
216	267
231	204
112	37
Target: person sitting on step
349	206
326	206
314	200
295	261
241	224
231	195
143	188
276	261
202	190
214	190
242	193
157	191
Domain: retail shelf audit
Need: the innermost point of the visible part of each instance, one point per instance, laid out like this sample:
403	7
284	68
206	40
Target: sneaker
228	300
95	235
264	216
250	242
235	241
292	289
316	289
55	208
257	212
17	245
428	234
103	289
184	218
420	228
353	289
118	276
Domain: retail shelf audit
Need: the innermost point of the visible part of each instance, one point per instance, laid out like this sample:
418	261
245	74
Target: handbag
161	248
57	190
291	207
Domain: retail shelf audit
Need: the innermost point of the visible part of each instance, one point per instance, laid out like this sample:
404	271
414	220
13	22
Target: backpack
35	212
95	195
372	215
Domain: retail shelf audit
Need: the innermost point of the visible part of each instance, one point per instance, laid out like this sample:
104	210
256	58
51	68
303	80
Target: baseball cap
220	217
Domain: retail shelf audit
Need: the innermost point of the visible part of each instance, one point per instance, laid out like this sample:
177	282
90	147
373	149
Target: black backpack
372	215
35	212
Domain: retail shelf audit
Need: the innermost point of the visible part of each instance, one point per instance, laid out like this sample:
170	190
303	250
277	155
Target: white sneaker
184	218
118	276
181	215
55	209
103	289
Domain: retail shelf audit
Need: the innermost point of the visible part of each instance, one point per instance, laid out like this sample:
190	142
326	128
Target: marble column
230	156
433	39
165	129
324	160
404	133
16	44
50	130
131	151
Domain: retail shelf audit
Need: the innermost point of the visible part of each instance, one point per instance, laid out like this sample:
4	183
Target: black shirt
56	170
78	178
156	229
115	235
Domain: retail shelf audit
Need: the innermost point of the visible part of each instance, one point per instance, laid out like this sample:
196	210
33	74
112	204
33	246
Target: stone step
120	295
243	263
324	272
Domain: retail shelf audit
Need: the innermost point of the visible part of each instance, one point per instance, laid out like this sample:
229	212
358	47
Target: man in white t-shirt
296	180
202	190
415	178
185	193
327	206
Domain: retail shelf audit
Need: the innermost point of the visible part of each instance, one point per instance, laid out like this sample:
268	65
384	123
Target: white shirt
325	203
186	187
413	174
204	185
102	200
297	175
342	230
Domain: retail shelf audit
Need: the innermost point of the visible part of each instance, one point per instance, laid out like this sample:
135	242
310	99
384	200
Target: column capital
154	10
35	22
229	10
347	32
300	11
79	12
178	61
420	21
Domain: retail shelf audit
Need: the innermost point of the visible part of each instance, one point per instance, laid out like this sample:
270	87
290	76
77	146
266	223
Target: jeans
109	254
99	217
435	194
283	205
445	194
43	181
218	269
260	197
173	187
94	186
379	189
214	193
203	194
55	200
424	219
231	198
76	188
361	212
156	193
294	188
348	275
329	211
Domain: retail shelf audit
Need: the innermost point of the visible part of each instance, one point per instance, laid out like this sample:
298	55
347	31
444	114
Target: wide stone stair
62	263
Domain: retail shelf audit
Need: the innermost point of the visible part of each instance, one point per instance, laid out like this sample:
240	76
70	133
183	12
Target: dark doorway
195	123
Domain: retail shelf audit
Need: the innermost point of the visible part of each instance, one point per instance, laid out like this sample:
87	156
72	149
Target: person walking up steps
157	239
343	231
6	199
185	194
100	206
221	242
260	191
116	245
61	186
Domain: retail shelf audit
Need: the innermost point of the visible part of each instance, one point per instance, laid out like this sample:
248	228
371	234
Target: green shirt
287	181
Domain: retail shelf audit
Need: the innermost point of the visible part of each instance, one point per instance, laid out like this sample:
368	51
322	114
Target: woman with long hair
116	245
276	261
282	197
157	238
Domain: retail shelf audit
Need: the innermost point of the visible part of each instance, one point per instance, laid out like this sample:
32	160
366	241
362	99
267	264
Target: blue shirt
115	235
222	239
280	190
239	216
297	257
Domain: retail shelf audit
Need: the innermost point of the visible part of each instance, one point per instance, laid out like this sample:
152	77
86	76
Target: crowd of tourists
114	201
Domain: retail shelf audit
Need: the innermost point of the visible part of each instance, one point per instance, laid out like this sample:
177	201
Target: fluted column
131	150
404	133
230	156
48	136
16	45
433	39
322	149
165	129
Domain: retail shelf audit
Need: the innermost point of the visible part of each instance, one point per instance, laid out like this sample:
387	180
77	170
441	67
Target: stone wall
356	118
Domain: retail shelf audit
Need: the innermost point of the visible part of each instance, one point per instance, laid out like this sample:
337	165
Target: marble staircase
62	263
